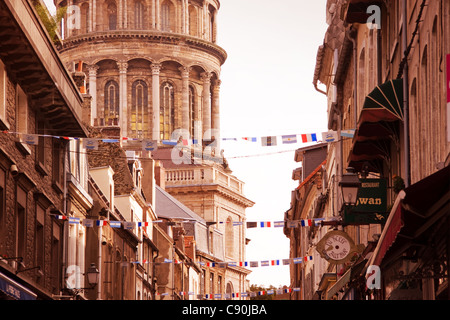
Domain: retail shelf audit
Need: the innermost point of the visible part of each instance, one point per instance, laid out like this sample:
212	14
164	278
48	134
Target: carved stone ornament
337	247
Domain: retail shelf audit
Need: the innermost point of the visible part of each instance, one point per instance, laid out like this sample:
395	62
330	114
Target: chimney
160	175
189	244
148	180
86	110
80	78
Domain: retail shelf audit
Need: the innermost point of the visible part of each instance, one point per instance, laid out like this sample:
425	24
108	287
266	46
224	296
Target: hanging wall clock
337	247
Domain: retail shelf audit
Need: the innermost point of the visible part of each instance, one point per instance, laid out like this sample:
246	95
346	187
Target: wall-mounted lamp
92	275
350	185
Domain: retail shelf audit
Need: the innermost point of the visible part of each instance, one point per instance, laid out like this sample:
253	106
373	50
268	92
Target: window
85	18
229	238
138	15
193	21
3	123
40	148
139	109
2	201
111	103
21	208
57	163
362	75
167	16
167	111
211	242
112	16
211	283
21	111
40	238
75	155
202	282
56	258
211	25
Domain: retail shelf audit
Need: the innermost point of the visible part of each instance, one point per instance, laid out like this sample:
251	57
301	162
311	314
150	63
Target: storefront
12	290
413	250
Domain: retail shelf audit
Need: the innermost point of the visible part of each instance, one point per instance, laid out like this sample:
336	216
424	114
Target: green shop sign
371	207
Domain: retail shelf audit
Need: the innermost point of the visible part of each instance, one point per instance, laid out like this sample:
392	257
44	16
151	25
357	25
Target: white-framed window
3	122
21	111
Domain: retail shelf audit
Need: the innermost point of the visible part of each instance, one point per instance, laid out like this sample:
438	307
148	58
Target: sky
267	90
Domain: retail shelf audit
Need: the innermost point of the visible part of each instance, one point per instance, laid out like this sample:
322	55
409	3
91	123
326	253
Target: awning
327	280
415	210
348	276
357	10
14	289
392	228
382	109
384	103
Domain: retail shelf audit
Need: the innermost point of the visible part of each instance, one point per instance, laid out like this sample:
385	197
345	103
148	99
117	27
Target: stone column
186	17
94	15
154	14
205	21
206	105
185	98
215	111
120	14
68	16
158	15
155	101
123	111
93	90
125	15
91	15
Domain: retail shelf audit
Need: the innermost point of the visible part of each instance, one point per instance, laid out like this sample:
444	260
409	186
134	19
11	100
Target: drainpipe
65	228
405	98
154	279
317	89
351	35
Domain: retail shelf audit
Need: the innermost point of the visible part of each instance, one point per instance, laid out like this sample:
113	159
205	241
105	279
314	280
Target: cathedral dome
152	66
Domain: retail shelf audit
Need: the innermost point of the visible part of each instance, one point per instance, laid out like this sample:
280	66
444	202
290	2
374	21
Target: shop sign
371	207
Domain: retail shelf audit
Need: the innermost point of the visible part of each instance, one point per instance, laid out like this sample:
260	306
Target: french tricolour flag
309	137
265	224
306	223
101	223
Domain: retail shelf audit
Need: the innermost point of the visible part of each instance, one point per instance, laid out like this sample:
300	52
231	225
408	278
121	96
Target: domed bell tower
152	66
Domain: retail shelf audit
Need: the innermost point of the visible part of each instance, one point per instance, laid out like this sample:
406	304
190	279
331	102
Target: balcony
202	176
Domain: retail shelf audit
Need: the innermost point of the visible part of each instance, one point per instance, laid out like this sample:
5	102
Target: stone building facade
397	48
37	96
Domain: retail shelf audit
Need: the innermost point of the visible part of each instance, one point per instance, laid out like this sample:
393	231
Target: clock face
337	247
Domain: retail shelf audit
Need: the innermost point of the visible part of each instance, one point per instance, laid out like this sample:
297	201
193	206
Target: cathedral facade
152	68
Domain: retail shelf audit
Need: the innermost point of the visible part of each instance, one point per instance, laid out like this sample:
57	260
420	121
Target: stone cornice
236	197
150	36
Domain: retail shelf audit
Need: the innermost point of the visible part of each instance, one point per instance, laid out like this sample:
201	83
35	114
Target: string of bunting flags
244	294
151	145
250	264
130	225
